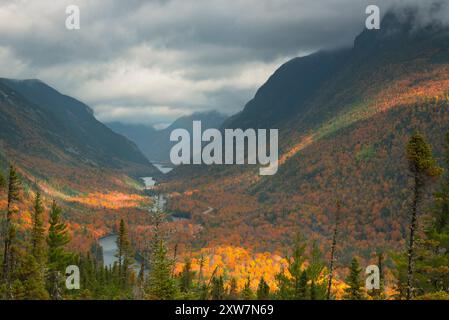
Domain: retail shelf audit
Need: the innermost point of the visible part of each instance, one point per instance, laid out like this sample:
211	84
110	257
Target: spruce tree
247	292
232	293
217	290
333	248
124	255
263	290
58	258
13	196
2	181
355	290
187	275
422	166
161	284
302	290
432	272
38	231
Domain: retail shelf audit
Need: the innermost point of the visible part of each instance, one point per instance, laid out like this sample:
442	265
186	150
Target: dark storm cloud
152	61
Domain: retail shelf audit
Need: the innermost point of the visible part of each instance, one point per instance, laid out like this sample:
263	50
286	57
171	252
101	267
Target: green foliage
217	290
247	293
187	275
299	285
38	231
355	289
365	154
161	284
263	290
432	263
124	255
58	258
233	294
2	181
420	158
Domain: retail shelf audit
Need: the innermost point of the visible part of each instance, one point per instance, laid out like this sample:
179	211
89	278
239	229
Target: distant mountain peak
412	25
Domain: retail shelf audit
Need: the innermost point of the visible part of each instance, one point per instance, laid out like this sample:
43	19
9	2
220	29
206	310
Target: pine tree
124	255
333	247
217	290
140	290
422	166
58	258
432	272
263	290
354	291
38	231
161	284
316	272
232	293
187	276
313	291
247	292
302	293
2	181
13	196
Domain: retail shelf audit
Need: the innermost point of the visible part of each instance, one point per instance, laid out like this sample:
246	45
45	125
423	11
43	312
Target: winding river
108	243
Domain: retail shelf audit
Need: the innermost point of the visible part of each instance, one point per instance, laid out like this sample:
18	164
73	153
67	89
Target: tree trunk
334	243
411	249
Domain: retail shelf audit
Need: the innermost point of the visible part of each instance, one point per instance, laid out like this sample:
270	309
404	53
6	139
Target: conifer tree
313	290
187	276
355	290
247	292
13	196
217	290
58	258
38	231
302	293
2	181
161	284
432	272
263	290
333	247
140	294
316	273
233	294
422	166
124	254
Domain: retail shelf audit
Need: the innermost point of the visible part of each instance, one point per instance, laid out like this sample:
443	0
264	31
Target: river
109	242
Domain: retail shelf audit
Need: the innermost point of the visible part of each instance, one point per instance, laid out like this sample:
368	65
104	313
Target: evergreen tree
13	196
161	284
217	290
187	276
422	166
432	272
2	181
124	255
233	294
289	286
140	294
263	290
333	247
355	290
38	231
247	292
302	293
313	291
316	272
58	258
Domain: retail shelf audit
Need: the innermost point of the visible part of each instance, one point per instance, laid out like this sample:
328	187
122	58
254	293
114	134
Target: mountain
40	125
156	144
344	117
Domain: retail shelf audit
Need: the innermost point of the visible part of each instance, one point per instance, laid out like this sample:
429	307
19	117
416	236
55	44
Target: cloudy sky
152	61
